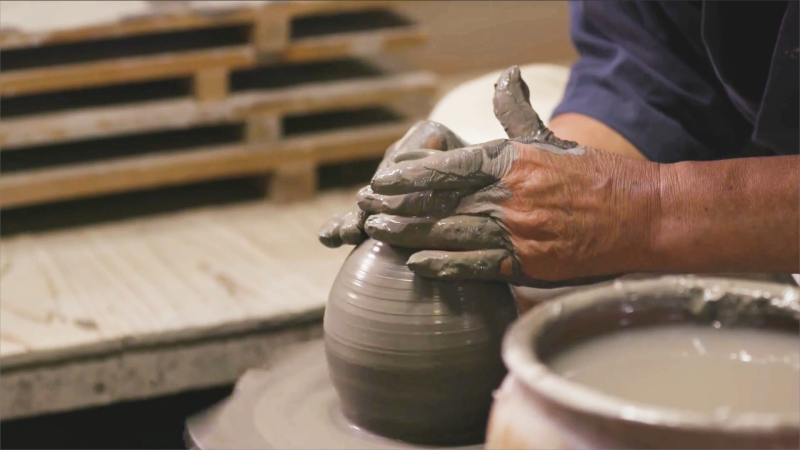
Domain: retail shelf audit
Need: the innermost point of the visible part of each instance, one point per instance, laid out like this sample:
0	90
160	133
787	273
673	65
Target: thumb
512	105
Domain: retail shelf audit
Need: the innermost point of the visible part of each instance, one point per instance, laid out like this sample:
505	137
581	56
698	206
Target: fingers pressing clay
352	227
343	229
432	135
451	233
419	204
425	138
486	265
329	235
425	134
473	167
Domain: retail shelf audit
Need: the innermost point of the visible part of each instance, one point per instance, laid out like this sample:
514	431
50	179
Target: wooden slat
22	82
195	165
294	182
183	113
199	16
115	71
211	84
158	23
263	127
352	44
271	31
307	8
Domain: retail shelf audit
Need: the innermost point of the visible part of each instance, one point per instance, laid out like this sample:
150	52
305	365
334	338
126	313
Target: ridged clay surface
412	358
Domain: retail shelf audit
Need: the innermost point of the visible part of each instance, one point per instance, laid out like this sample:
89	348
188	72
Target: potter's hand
422	139
538	211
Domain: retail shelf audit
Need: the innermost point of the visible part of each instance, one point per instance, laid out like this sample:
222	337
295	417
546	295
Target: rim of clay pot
699	297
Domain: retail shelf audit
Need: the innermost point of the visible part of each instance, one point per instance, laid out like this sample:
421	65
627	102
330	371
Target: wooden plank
211	84
271	31
293	181
341	45
203	14
183	113
123	25
307	8
103	73
195	165
153	306
48	79
262	127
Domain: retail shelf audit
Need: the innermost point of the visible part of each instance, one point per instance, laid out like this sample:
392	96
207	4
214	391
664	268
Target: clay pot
537	409
414	359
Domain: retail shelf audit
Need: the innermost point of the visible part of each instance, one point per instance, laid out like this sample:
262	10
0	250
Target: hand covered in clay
534	210
423	139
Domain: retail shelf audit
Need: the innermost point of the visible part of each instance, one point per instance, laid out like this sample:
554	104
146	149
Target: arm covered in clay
540	211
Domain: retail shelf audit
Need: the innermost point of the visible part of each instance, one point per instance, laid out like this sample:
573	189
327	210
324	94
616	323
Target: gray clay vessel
414	359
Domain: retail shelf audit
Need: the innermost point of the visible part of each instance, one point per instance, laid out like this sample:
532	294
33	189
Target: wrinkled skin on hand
423	139
534	210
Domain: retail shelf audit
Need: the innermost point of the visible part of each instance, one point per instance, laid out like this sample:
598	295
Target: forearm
731	215
591	132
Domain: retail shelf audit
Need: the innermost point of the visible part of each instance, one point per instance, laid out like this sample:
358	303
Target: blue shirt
689	80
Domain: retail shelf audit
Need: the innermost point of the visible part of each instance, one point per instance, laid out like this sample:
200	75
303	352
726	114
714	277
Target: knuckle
426	128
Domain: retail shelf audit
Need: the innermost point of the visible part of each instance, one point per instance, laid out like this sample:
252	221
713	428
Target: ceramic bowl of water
671	362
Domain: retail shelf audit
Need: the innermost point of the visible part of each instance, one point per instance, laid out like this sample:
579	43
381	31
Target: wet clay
422	139
691	366
292	405
414	359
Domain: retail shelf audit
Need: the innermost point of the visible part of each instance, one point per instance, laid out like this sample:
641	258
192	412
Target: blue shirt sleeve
643	71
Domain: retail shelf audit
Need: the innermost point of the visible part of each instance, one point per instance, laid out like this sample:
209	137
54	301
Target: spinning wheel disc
292	406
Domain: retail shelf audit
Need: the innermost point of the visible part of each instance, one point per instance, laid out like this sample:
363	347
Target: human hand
535	210
421	140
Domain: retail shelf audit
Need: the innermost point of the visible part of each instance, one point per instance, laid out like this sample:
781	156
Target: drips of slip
718	371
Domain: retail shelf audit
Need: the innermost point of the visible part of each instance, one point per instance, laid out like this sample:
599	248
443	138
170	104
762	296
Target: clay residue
731	303
450	233
475	265
472	167
424	138
86	324
418	204
513	109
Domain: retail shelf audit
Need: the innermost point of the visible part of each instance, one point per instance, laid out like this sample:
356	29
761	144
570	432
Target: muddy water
691	367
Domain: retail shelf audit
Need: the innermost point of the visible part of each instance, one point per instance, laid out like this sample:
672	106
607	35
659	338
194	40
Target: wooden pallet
264	146
306	72
228	38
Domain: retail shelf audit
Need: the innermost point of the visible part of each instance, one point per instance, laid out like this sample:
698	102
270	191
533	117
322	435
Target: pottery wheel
291	406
